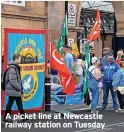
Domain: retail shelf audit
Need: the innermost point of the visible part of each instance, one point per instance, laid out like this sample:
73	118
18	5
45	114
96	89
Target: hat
106	49
94	60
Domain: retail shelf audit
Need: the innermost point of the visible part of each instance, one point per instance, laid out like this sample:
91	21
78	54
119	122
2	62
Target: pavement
114	122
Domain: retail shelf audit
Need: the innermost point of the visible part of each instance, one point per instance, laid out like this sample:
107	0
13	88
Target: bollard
47	94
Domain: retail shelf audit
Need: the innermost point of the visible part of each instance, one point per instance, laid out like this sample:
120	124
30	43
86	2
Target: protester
93	84
118	83
68	58
121	50
79	68
92	52
109	68
119	54
13	87
106	53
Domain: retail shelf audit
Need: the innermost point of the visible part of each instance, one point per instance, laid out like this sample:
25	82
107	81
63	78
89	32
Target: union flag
57	63
95	32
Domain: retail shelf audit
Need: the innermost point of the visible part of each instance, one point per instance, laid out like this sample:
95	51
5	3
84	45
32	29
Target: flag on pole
87	64
75	50
60	44
63	34
93	35
66	78
65	27
95	32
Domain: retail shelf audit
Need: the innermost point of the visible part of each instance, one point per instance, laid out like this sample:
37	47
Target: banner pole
48	84
87	55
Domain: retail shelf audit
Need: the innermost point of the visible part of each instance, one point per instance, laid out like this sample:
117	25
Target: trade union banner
30	44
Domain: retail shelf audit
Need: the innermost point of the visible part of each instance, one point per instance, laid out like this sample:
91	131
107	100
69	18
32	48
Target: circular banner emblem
30	85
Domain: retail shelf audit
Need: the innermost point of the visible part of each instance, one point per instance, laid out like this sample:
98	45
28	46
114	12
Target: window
18	3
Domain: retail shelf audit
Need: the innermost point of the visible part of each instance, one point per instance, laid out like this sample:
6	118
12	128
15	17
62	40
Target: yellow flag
75	50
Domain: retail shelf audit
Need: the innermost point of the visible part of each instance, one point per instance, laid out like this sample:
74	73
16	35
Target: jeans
106	87
10	103
93	86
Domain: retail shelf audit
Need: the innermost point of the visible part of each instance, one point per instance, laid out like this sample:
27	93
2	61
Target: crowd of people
106	73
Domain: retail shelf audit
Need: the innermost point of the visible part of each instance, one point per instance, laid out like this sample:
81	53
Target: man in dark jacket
13	87
109	69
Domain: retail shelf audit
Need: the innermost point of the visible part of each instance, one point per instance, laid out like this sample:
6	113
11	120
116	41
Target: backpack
3	79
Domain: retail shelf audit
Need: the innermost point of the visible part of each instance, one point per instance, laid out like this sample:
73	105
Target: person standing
106	53
93	84
68	58
109	69
118	82
119	54
13	87
79	69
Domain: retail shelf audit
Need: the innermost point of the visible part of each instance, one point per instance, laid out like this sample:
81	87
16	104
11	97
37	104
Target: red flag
95	32
67	80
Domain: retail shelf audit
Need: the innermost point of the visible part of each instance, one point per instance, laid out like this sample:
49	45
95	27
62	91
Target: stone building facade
49	15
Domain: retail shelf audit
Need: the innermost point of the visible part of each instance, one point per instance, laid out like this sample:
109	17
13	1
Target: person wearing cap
68	58
118	83
94	84
106	53
109	68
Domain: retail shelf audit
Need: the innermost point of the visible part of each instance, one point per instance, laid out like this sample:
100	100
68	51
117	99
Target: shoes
118	110
94	111
102	109
8	120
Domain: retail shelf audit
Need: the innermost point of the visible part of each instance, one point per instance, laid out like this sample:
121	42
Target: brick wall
108	42
56	12
32	16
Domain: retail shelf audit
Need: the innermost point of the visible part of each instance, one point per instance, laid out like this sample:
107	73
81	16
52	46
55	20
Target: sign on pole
72	14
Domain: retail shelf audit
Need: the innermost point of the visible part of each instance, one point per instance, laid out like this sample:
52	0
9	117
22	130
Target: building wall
119	14
30	16
45	15
108	42
56	12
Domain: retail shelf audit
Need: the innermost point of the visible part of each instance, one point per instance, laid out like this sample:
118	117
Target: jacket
13	80
109	70
118	80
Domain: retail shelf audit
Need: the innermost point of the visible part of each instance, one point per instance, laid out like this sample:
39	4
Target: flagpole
85	89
